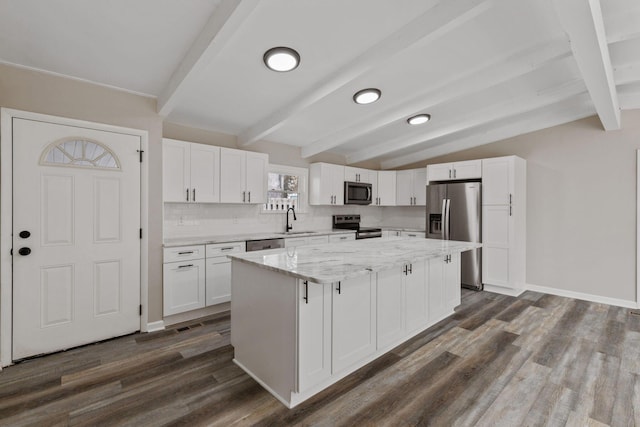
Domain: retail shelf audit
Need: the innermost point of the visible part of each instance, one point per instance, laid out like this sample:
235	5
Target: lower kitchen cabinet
218	271
444	285
337	238
183	286
418	234
390	302
354	321
314	333
416	293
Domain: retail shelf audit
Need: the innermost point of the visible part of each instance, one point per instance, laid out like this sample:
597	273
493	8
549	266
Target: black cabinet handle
226	249
187	194
306	292
185	253
339	287
410	268
185	266
194	194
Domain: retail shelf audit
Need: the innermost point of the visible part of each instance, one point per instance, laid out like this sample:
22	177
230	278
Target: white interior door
76	239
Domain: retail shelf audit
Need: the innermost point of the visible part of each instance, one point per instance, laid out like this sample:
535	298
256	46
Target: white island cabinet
305	317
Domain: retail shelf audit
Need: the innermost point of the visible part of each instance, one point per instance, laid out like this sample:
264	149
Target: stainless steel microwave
357	193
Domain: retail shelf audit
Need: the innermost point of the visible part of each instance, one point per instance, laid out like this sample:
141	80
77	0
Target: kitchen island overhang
303	318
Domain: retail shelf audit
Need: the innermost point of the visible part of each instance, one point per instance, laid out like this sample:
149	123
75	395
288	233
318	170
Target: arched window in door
80	152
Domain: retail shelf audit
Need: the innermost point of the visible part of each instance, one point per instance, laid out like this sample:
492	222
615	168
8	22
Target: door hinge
140	151
141	233
140	309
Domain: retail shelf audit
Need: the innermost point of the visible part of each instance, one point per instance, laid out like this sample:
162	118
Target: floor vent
184	328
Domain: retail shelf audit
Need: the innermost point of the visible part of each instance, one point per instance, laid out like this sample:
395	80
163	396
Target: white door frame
6	216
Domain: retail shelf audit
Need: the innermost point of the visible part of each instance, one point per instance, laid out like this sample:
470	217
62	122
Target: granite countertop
420	230
333	262
204	240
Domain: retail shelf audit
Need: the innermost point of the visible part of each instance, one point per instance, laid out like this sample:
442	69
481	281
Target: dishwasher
258	245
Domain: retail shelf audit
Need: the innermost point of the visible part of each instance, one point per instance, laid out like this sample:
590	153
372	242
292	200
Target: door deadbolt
24	251
25	234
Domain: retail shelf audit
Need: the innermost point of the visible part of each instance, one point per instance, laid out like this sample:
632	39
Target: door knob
24	251
25	234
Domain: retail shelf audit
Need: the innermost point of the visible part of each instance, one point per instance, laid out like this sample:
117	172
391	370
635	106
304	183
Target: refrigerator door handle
443	219
447	218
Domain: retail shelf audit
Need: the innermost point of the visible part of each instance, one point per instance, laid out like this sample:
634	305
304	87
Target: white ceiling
484	69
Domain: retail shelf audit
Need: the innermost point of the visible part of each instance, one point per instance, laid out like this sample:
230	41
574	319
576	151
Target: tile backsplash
189	220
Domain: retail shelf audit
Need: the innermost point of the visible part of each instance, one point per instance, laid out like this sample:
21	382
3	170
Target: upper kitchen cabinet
384	193
471	169
411	187
504	224
358	174
191	172
326	184
242	176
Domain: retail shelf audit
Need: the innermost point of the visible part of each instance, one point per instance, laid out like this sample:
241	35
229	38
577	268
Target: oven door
357	193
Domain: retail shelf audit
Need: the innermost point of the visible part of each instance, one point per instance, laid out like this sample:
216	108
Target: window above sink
286	187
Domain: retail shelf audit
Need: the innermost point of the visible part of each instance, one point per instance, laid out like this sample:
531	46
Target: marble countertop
204	240
333	262
420	230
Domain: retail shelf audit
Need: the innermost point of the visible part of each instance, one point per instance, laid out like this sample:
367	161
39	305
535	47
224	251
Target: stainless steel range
352	222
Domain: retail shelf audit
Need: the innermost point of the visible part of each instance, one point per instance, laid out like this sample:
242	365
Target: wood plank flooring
535	360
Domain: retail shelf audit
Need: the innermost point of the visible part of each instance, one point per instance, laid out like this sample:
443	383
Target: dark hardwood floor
529	361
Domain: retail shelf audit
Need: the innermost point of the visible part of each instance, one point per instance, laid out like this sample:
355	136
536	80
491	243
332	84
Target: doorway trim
6	217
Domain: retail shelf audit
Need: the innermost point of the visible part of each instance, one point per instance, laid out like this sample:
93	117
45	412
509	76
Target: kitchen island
303	318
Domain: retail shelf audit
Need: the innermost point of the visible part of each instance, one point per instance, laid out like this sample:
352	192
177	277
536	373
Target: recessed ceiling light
419	119
281	59
367	96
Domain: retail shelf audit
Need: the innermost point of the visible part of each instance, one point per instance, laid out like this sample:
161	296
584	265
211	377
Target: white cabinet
354	321
218	271
444	286
384	192
391	233
416	234
326	184
411	187
390	308
292	242
337	238
314	333
504	224
191	172
242	176
358	174
183	279
415	296
470	169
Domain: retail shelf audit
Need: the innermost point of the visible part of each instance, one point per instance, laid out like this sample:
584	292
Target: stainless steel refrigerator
453	213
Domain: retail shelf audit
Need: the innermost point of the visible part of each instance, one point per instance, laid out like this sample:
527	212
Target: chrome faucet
289	227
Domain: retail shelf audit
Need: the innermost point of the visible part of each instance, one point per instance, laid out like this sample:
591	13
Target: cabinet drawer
418	234
183	253
336	238
219	249
318	240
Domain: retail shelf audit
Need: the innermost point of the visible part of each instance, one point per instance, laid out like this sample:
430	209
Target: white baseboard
155	326
503	291
583	296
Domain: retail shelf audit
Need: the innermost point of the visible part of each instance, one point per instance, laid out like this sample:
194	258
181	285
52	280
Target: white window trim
6	211
303	186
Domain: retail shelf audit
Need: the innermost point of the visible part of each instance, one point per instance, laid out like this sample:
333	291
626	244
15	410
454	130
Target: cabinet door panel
497	181
416	297
440	172
354	322
436	288
218	283
256	170
387	188
390	310
337	176
314	333
404	187
205	173
232	175
467	170
420	186
183	286
175	170
453	283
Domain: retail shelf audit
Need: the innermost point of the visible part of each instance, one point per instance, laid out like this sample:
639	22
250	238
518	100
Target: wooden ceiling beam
226	19
431	25
583	22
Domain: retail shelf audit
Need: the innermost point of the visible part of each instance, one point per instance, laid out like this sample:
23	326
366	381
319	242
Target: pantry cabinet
504	224
191	172
326	184
242	176
411	187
